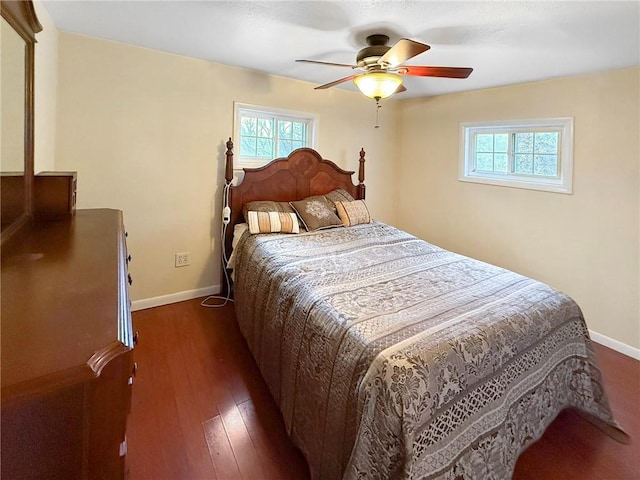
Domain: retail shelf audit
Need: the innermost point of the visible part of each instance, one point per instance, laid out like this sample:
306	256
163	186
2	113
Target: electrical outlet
183	259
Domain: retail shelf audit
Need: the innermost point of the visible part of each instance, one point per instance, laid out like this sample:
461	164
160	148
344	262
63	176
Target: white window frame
279	113
563	183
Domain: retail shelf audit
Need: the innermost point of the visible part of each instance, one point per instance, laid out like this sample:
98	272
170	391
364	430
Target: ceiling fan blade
337	82
448	72
402	51
328	63
400	89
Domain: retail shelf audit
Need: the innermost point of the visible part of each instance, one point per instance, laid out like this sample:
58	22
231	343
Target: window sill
558	187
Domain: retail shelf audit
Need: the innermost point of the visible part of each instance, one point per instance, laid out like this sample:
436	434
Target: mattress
390	357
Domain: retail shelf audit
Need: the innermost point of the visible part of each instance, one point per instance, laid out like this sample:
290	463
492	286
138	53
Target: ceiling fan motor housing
376	49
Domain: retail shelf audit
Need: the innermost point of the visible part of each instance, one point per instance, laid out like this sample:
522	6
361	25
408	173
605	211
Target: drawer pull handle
130	380
130	279
135	368
136	336
128	258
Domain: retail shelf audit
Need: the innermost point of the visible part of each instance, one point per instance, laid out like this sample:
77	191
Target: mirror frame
21	16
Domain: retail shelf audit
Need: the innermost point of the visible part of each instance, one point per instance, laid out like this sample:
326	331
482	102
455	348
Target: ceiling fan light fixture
378	85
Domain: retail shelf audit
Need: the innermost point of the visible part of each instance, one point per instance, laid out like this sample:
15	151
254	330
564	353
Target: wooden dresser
67	349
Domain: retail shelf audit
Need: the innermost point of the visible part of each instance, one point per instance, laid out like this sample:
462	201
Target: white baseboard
174	297
615	345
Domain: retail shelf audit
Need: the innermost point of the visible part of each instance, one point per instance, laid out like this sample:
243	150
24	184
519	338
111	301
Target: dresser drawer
54	194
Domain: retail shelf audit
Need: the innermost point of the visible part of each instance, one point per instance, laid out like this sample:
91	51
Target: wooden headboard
302	174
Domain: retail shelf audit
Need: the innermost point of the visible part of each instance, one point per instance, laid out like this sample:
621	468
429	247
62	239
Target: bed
391	358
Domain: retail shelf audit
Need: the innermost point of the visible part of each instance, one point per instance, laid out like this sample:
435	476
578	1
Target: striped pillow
272	222
353	213
265	206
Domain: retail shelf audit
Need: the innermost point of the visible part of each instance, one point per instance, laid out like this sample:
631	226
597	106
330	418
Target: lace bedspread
390	357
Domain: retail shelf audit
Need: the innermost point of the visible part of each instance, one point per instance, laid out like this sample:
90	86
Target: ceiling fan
382	69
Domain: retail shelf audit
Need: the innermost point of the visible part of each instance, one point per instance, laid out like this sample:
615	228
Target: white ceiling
505	42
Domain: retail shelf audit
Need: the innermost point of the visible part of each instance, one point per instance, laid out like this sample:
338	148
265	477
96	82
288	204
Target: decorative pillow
353	213
339	195
272	222
316	213
266	206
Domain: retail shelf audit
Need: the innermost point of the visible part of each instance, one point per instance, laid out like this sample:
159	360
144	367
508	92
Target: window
262	134
534	154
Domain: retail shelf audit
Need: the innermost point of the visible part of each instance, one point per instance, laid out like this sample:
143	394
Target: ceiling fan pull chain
378	107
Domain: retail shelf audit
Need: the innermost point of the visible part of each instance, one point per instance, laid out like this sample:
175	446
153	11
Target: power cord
226	218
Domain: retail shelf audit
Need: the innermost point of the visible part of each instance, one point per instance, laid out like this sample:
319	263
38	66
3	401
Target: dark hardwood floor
200	410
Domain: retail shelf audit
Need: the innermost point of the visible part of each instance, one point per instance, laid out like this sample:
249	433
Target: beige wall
586	244
45	85
146	130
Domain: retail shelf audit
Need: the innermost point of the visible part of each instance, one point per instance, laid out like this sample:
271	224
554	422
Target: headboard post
361	187
228	173
226	202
